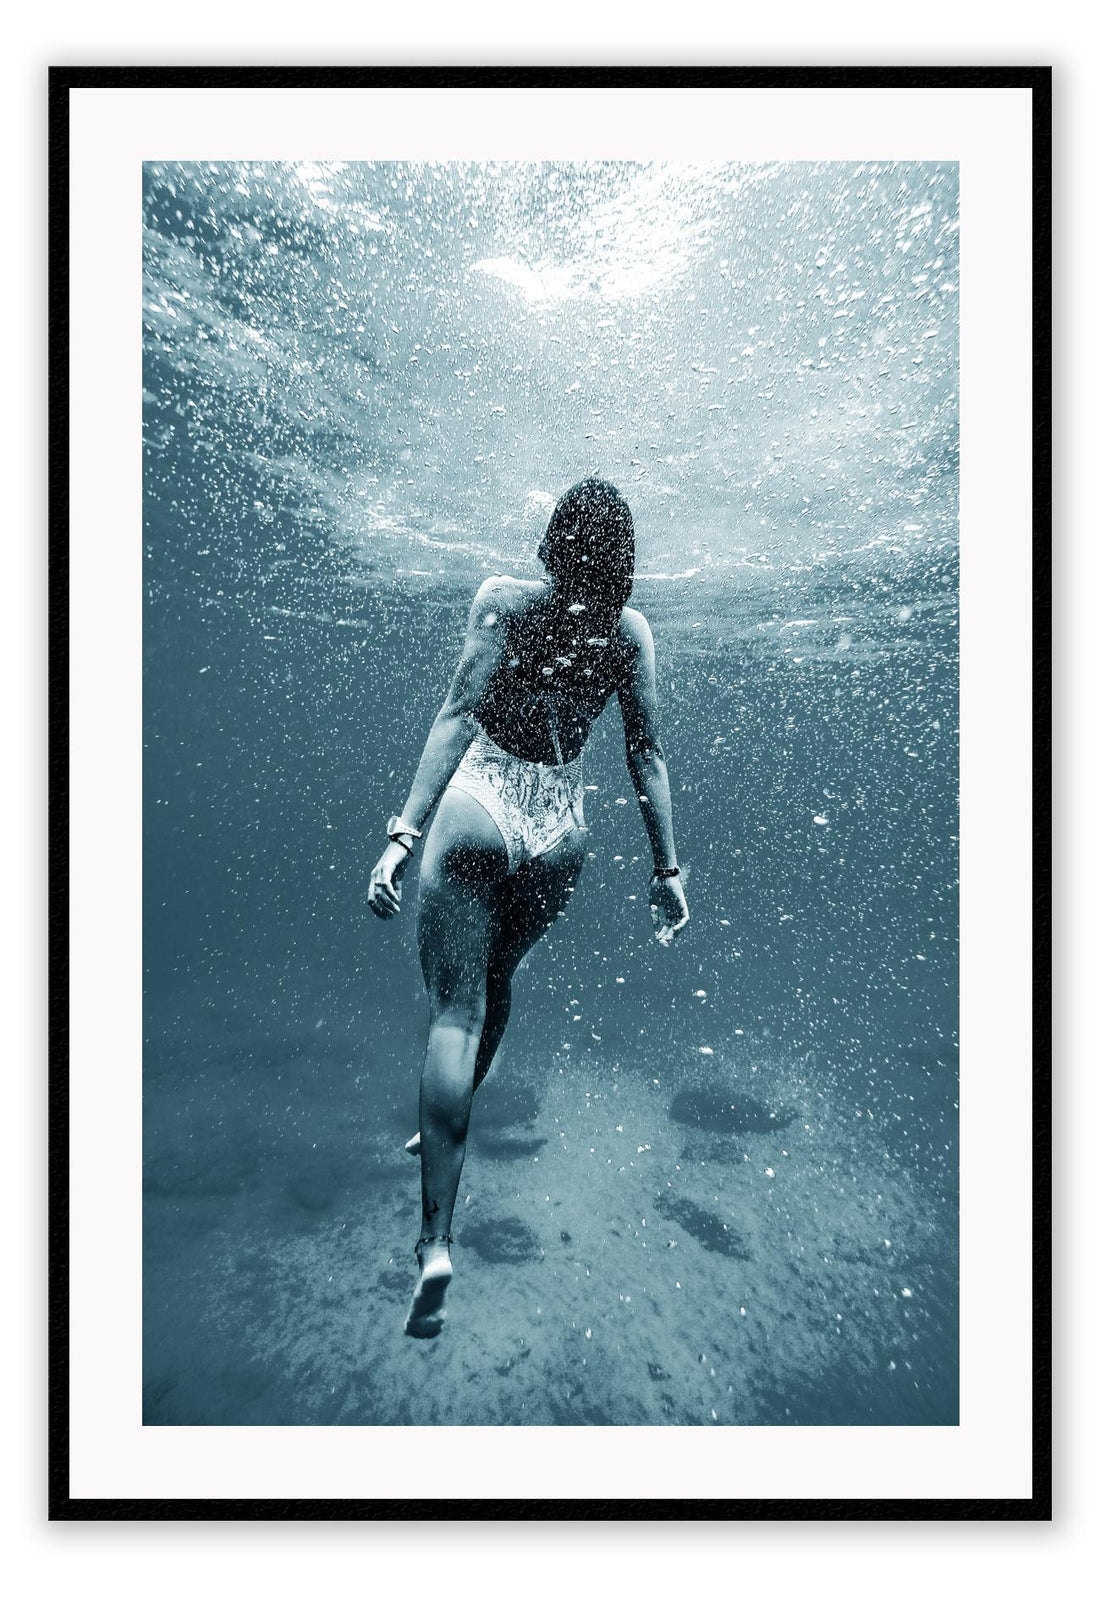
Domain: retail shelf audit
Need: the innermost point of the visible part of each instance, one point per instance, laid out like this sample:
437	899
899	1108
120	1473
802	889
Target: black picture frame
65	79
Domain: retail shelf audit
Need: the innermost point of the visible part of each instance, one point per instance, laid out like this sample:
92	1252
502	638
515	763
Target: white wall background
222	1566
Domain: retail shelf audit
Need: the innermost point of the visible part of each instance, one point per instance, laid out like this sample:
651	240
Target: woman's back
562	658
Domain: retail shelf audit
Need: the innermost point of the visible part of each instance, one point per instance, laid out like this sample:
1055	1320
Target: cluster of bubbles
404	363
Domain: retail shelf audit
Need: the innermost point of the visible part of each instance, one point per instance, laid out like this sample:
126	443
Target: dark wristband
666	873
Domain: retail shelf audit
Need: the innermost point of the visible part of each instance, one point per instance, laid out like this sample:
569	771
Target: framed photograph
542	566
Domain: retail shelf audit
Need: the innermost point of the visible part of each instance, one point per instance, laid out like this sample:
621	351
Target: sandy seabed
721	1247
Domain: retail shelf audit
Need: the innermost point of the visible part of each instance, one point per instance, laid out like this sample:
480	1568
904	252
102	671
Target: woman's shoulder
506	595
634	629
500	592
501	586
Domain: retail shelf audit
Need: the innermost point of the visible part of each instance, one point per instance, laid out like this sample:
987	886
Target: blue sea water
711	1184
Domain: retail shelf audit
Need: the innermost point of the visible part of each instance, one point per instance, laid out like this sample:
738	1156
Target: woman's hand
384	893
668	907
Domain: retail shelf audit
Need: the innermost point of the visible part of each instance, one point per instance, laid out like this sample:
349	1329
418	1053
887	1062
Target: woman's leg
498	1005
464	865
528	903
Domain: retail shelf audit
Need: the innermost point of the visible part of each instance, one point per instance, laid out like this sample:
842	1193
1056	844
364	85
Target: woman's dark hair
589	543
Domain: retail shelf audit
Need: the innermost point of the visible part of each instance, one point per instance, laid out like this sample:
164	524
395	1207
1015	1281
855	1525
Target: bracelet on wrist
402	832
665	873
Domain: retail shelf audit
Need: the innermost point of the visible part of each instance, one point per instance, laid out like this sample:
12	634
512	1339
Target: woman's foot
413	1145
427	1312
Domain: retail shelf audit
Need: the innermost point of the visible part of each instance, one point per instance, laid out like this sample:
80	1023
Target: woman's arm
644	757
648	773
453	729
449	736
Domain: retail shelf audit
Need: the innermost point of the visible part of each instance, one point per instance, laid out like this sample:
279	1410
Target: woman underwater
540	661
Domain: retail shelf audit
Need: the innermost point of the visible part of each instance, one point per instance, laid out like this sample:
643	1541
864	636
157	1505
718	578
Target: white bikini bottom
533	804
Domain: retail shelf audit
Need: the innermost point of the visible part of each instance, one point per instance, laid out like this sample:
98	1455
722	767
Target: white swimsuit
533	804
